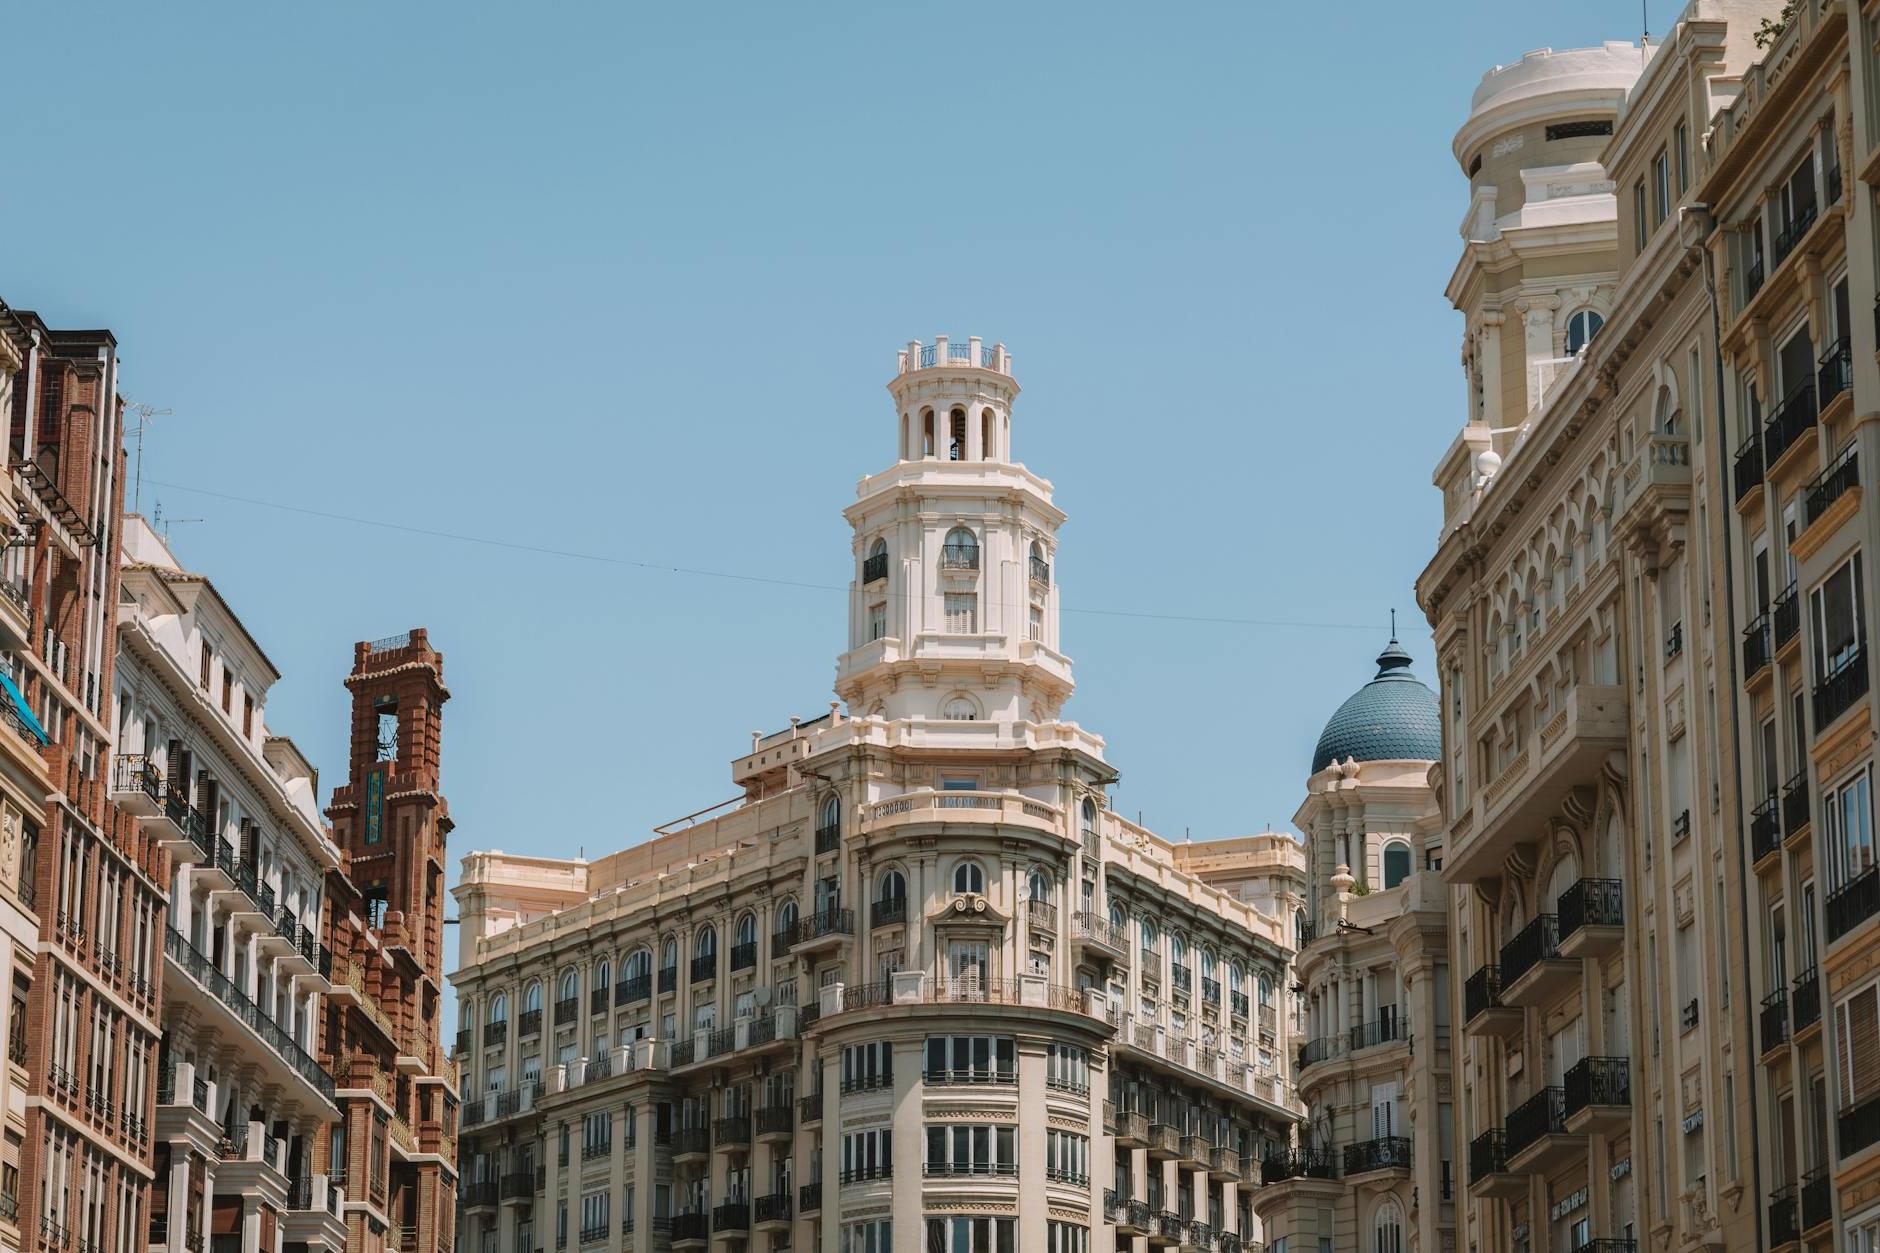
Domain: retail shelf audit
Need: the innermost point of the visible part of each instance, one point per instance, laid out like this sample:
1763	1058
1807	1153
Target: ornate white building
915	986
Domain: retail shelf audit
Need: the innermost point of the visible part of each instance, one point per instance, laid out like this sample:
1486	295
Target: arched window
786	916
1118	918
1396	864
969	876
468	1017
639	966
1581	328
1207	964
960	709
1388	1229
707	944
875	568
1090	815
960	551
499	1007
829	816
987	451
570	985
1040	886
1266	990
1040	567
927	433
669	955
956	435
891	886
1236	979
747	929
1178	951
1151	939
532	999
603	975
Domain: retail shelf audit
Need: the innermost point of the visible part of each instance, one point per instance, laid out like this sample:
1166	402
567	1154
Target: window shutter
1860	1043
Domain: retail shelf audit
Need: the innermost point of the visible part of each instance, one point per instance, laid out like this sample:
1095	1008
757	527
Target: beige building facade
916	985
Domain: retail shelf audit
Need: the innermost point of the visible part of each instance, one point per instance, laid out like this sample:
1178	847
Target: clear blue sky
630	281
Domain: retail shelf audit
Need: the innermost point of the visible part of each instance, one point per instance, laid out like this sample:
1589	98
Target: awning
27	718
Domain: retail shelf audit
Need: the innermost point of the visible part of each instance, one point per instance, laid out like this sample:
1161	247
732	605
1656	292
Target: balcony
1765	827
1785	616
1592	917
1533	971
567	1010
888	913
774	1210
690	1228
1489	1173
222	991
1041	916
1772	1030
1783	1215
1225	1164
809	1198
1041	572
1383	1157
744	956
136	783
1758	647
1598	1095
775	1120
959	556
1853	903
1303	1163
704	967
495	1033
1167	1227
1805	1003
825	929
1674	642
1789	421
1607	1244
1832	484
668	979
479	1194
1791	234
691	1143
1132	1129
732	1216
1834	374
638	988
828	838
1389	1027
1749	465
810	1108
1815	1194
1565	753
732	1133
1165	1142
875	568
1856	1128
1795	804
1197	1152
1091	930
1484	1016
1537	1135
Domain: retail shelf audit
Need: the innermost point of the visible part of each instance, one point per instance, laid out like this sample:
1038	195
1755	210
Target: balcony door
1386	1109
966	963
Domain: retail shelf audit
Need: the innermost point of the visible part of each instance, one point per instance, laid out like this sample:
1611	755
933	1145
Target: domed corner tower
954	607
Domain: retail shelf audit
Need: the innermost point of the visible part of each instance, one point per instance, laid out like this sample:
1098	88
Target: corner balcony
1538	1139
1533	971
137	787
1598	1095
1484	1015
1378	1161
1489	1172
1772	1031
1592	918
1566	753
1304	1163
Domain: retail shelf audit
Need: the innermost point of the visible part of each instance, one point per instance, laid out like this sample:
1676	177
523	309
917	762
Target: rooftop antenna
1645	25
164	524
1393	624
144	414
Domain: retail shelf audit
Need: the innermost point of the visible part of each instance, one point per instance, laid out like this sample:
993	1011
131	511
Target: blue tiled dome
1391	718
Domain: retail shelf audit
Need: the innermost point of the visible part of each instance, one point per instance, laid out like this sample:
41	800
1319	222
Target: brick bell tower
396	1086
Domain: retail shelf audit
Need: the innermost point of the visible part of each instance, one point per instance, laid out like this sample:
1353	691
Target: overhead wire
664	567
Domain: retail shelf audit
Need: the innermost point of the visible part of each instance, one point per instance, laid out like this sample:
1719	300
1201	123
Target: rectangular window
1066	1238
207	659
866	1067
1638	215
965	1149
1067	1157
1661	188
868	1155
1847	808
877	620
971	1059
962	610
868	1237
972	1235
1034	625
248	716
1837	626
1067	1068
1684	157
